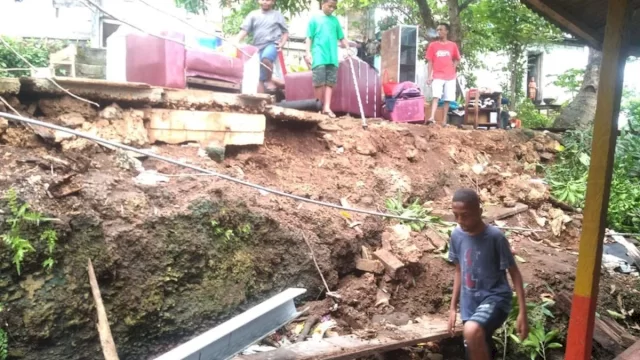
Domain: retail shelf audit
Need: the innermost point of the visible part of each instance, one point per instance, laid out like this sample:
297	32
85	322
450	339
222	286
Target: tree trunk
580	113
513	66
425	14
455	34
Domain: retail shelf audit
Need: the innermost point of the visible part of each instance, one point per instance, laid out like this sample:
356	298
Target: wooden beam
352	347
607	332
583	310
563	19
106	340
632	353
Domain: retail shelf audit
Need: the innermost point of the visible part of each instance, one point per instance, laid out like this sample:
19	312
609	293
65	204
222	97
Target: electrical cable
113	144
196	168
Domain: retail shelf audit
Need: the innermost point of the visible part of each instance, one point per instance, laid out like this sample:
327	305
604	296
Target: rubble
372	266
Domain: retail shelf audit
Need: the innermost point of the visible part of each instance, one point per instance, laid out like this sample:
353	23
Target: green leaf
551	335
515	338
616	315
554	346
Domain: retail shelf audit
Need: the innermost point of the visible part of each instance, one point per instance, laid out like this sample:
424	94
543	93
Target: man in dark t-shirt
482	257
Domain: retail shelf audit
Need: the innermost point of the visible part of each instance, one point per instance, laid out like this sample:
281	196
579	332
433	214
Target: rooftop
586	19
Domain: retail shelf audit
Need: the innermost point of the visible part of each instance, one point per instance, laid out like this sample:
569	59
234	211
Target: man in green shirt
323	35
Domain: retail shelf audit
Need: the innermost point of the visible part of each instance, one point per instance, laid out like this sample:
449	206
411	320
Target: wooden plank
178	126
581	323
557	15
351	347
607	332
106	340
632	353
394	267
213	83
493	213
372	266
280	113
390	54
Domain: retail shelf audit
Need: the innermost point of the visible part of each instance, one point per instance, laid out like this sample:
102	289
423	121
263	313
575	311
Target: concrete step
91	71
91	56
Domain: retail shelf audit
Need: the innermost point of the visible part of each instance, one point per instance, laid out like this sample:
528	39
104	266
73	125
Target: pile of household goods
174	59
403	102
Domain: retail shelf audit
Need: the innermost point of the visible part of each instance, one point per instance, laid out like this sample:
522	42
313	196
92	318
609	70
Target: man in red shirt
443	57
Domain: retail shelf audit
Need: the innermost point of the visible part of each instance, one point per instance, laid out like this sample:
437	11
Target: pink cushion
213	65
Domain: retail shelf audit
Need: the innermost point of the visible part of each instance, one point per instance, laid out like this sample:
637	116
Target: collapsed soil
176	258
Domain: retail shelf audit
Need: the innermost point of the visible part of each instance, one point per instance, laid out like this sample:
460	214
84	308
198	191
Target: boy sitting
482	256
269	35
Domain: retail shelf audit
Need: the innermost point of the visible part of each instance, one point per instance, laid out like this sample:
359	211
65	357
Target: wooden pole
581	323
106	340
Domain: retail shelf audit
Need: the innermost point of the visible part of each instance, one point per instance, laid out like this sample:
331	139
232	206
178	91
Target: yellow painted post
580	337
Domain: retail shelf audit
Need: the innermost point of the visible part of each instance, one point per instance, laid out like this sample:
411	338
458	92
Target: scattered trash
320	330
254	349
520	259
150	178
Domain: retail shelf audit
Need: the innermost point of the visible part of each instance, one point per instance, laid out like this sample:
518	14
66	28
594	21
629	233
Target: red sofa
165	63
299	86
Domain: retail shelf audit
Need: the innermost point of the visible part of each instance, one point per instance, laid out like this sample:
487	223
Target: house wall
556	60
39	18
79	22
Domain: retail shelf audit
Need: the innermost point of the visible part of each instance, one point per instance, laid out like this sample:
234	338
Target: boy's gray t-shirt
267	27
483	260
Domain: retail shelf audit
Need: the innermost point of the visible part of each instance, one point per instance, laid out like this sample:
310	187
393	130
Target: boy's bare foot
329	113
270	86
429	122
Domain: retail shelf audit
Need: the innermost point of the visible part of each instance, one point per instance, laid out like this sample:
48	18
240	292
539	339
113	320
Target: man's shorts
490	317
269	52
444	90
325	75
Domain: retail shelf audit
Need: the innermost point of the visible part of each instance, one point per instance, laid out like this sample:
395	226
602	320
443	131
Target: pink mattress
156	61
299	86
209	64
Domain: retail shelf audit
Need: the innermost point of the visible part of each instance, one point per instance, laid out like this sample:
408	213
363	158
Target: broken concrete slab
284	114
95	90
372	266
9	86
205	127
203	99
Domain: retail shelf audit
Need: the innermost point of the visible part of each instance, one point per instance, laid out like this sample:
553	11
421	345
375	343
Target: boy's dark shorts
325	75
490	317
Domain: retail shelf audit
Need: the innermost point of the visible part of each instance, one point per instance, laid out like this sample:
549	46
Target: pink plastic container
156	62
407	110
299	86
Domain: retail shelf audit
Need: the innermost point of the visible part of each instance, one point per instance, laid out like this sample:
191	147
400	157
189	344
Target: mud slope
179	257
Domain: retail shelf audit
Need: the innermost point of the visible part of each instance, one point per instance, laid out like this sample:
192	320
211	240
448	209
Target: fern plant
538	341
414	210
4	345
21	216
